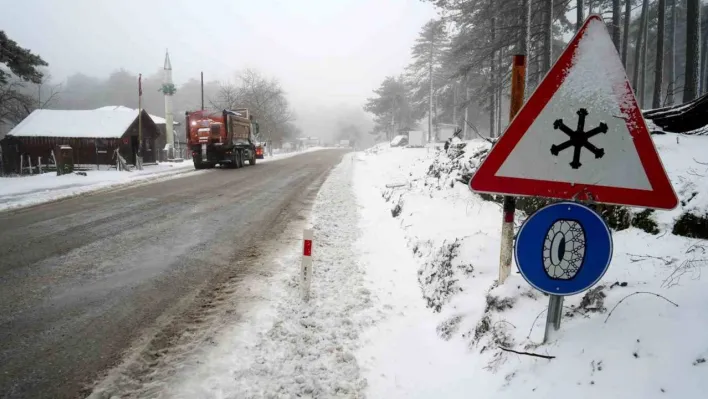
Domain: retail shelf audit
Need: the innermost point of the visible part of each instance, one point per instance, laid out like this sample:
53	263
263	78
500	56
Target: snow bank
18	192
447	320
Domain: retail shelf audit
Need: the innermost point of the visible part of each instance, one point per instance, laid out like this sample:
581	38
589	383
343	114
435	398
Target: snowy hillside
638	334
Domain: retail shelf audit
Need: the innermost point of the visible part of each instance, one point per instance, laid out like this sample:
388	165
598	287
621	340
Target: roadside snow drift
432	255
17	192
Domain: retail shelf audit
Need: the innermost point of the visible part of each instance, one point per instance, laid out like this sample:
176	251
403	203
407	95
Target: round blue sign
563	248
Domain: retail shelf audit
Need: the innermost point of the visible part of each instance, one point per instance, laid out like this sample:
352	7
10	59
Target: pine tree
693	58
21	61
390	106
25	67
425	71
671	32
659	68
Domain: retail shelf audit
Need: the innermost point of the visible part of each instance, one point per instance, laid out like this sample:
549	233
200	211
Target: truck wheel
240	159
198	163
252	161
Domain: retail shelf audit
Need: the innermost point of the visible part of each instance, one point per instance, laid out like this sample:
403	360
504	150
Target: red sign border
661	196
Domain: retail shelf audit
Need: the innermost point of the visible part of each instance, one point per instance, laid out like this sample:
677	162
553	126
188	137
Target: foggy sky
326	53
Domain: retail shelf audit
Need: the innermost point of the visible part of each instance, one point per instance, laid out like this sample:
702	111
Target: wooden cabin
92	134
161	123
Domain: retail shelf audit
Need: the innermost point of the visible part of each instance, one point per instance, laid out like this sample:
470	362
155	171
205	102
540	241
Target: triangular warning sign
580	135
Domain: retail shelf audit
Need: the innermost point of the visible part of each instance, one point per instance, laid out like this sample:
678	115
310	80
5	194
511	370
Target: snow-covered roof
74	123
158	120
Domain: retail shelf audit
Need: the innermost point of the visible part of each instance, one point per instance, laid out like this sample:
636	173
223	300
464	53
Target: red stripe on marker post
306	269
307	250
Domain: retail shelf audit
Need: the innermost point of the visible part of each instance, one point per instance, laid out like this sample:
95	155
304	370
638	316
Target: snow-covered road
18	192
144	271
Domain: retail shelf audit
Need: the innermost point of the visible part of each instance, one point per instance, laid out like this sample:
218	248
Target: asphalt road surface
83	278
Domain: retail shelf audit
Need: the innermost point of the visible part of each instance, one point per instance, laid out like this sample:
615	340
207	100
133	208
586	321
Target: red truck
225	138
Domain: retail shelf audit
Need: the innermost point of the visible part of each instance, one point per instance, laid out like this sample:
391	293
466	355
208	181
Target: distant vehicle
416	138
399	141
344	143
225	138
446	131
260	148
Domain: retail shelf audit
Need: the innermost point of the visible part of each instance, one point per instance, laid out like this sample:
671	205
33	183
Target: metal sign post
555	313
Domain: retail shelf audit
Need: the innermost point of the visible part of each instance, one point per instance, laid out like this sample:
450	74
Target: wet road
82	279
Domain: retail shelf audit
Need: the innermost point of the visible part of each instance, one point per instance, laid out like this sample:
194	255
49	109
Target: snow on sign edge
595	82
661	196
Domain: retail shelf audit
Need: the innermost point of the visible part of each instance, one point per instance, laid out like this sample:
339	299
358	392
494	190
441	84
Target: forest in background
459	72
461	62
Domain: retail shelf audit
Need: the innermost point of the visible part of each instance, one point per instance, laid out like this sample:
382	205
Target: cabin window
102	146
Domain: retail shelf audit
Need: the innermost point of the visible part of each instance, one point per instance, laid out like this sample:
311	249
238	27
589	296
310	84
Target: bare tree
14	104
693	57
18	98
579	18
265	99
659	68
47	93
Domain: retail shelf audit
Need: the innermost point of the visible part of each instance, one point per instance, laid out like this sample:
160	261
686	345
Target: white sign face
602	157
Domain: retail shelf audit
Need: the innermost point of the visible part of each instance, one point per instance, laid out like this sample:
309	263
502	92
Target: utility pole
202	88
139	158
168	91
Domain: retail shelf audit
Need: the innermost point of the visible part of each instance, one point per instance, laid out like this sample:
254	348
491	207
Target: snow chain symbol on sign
564	249
578	138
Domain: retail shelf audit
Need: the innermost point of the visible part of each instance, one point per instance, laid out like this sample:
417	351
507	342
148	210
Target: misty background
326	56
365	70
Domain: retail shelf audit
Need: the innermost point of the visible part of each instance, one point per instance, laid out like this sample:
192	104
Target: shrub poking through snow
643	220
449	327
593	300
397	209
692	226
494	303
437	277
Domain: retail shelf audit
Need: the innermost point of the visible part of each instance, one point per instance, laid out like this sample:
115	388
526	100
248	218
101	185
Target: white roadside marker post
306	269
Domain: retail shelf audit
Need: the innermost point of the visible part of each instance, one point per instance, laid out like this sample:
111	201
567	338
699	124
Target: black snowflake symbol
578	138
